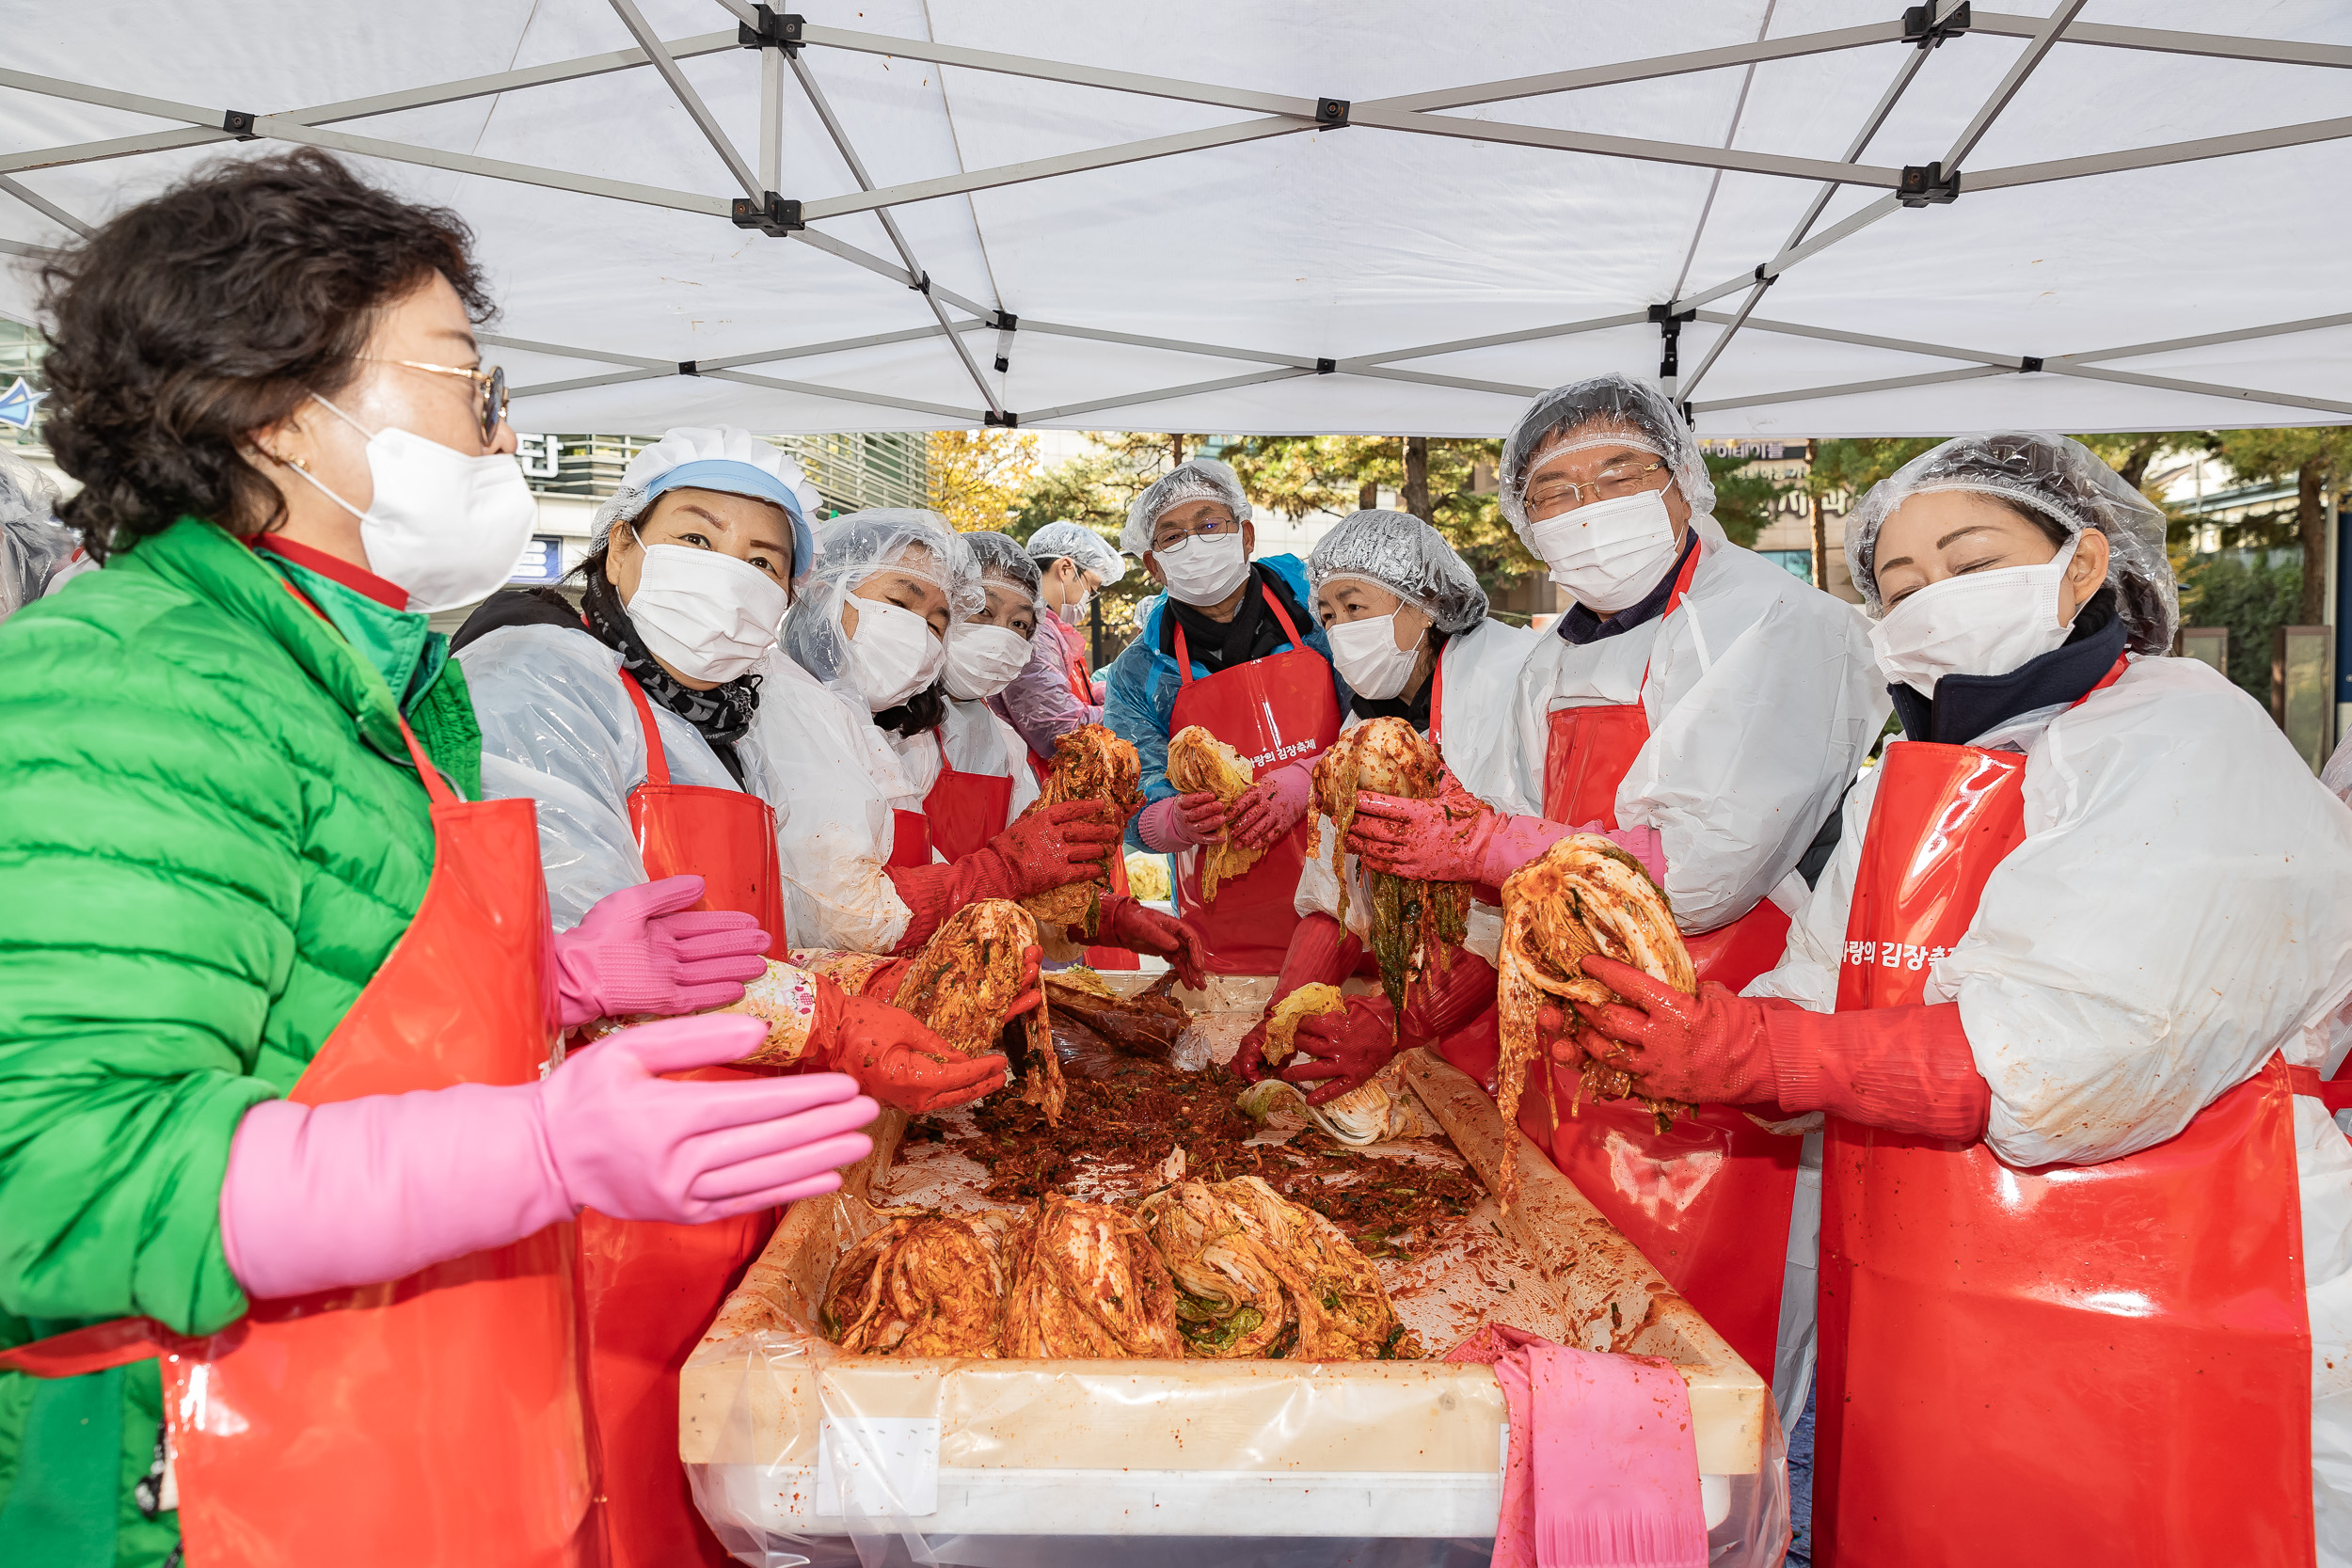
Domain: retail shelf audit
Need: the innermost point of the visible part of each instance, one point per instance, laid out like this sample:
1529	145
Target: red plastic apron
436	1418
646	1290
966	810
1275	709
1708	1200
2068	1365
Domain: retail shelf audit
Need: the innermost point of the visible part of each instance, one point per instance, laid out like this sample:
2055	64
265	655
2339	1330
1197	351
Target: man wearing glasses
1229	646
1707	711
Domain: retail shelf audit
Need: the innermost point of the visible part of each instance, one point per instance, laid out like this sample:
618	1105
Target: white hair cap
1399	552
730	460
1081	544
1196	479
2054	477
850	549
1601	410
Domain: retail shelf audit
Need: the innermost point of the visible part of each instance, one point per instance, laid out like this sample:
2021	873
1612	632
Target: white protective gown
1762	699
558	728
2181	908
844	777
1479	668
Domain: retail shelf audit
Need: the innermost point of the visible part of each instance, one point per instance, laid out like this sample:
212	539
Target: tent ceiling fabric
2149	209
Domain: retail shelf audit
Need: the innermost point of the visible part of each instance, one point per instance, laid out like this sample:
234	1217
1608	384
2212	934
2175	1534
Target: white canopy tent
1813	218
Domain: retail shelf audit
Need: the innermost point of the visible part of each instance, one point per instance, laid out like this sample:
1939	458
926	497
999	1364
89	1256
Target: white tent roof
2152	215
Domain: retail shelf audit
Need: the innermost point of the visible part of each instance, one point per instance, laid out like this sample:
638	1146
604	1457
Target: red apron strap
656	760
2115	673
1183	651
1275	603
1673	602
1183	657
441	793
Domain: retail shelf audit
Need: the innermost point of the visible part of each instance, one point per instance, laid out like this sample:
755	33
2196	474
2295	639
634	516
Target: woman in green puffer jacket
213	835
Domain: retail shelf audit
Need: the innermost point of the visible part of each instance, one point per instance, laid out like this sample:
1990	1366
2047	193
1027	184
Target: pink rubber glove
1342	1050
642	950
1421	840
1273	806
358	1190
1180	822
1643	844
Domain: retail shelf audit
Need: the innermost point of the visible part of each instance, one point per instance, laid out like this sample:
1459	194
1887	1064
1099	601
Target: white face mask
983	660
1609	553
898	654
1207	569
1982	623
448	528
1073	613
1368	657
703	614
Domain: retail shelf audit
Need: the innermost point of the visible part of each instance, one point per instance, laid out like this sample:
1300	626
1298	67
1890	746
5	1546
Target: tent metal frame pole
45	207
1780	164
2238	334
1173	346
493	168
842	144
1867	339
1913	60
30	252
2160	40
1056	70
1045	168
1069	410
1849	388
683	90
1792	47
2037	50
2203	148
1493	339
2202	388
771	120
852	394
114	147
1433	378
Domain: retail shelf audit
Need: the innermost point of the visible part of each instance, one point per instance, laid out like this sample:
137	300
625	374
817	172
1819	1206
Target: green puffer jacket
211	834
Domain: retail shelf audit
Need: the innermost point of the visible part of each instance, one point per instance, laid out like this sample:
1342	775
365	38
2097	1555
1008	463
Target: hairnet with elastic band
1601	410
730	460
1076	542
850	549
1195	479
1399	552
2051	476
1002	561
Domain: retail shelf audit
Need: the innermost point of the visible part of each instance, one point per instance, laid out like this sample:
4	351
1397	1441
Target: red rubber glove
1342	1050
1176	822
1049	848
883	983
1322	952
642	950
1127	923
1643	844
1436	1005
1272	806
893	1058
1907	1070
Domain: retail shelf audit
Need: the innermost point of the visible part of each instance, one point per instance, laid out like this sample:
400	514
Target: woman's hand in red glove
1709	1049
894	1057
1132	924
1272	806
1032	989
1055	845
1342	1050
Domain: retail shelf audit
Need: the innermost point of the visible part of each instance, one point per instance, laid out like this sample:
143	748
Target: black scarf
1414	709
721	715
1252	633
1966	706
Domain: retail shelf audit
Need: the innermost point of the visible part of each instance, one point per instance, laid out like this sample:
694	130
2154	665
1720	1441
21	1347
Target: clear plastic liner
797	1454
33	543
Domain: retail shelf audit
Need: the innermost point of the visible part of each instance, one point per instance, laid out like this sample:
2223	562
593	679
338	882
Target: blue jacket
1144	682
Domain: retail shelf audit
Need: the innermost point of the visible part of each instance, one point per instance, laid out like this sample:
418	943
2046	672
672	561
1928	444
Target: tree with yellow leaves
979	477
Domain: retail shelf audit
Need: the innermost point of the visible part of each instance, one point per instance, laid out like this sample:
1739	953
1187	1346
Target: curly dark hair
212	310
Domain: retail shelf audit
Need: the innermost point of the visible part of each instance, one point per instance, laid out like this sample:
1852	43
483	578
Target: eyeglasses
490	397
1174	543
1551	492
